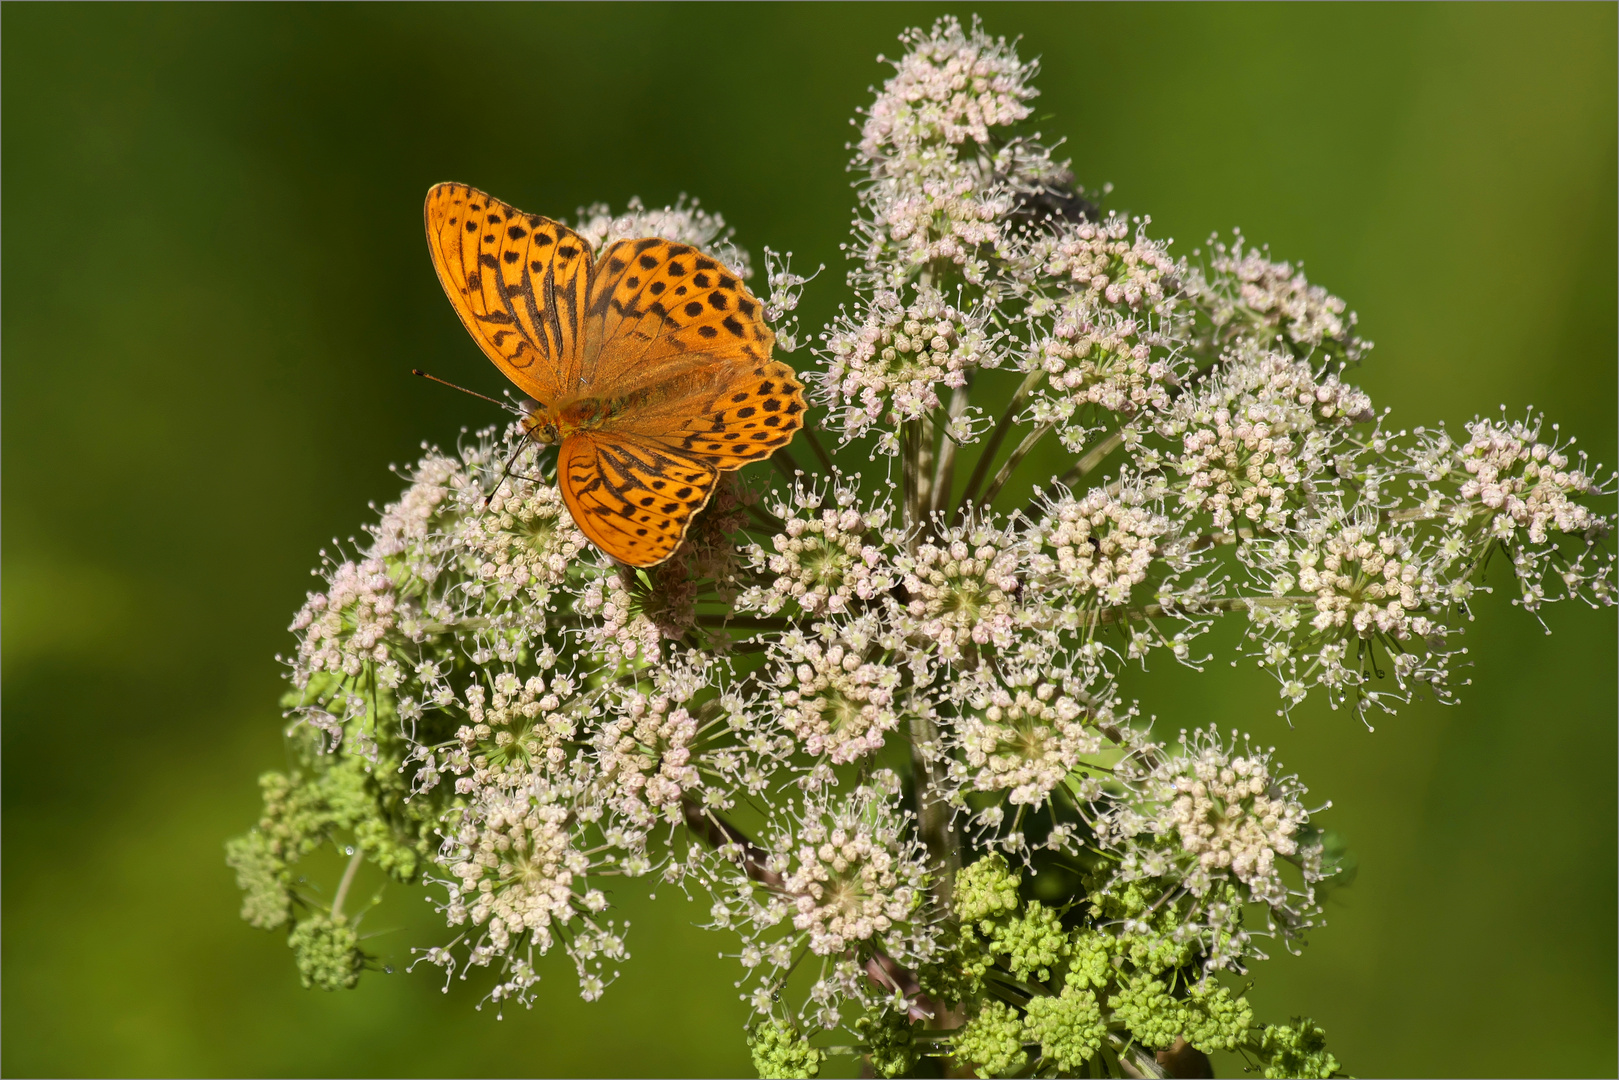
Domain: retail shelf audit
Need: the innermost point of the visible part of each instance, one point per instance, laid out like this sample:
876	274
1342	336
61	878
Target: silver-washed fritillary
650	363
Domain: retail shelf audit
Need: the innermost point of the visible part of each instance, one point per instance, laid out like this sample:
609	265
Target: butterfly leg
506	473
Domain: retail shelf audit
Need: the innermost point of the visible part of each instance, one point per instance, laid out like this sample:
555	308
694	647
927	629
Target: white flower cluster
888	363
1246	294
526	541
1219	823
1100	544
951	86
1099	358
851	874
843	880
1364	579
1102	263
1023	740
646	749
1521	492
342	628
685	222
962	588
825	558
547	719
837	689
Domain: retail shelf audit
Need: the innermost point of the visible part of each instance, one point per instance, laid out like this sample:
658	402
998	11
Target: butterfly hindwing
517	280
753	412
633	499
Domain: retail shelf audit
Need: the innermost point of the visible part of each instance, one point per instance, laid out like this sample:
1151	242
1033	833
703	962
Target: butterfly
649	363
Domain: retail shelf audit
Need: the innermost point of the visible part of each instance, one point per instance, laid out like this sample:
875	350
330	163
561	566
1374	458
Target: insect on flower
651	363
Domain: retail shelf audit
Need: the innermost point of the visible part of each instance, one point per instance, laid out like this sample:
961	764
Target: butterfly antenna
508	406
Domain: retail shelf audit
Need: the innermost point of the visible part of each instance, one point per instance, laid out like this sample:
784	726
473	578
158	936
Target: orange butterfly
650	364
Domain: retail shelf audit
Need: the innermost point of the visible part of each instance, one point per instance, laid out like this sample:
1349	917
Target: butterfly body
649	364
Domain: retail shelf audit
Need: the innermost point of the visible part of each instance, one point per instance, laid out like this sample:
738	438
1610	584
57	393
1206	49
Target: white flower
961	587
837	689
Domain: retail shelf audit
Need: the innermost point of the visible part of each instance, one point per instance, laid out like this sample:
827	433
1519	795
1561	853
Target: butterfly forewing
655	301
633	499
517	280
678	333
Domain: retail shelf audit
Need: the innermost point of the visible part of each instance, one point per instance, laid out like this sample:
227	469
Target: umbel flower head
869	712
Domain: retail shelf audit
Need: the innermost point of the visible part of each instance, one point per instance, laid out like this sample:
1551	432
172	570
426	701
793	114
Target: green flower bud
992	1041
327	953
778	1051
261	876
1298	1049
889	1043
1068	1028
986	889
1144	1006
1215	1018
1033	943
1090	960
1158	948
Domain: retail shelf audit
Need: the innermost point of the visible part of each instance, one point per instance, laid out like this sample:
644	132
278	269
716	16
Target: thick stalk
921	476
932	812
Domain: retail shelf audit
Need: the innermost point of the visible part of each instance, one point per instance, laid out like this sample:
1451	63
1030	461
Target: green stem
349	872
820	451
932	812
785	465
1134	1060
742	622
993	446
923	475
1112	616
1093	457
1013	462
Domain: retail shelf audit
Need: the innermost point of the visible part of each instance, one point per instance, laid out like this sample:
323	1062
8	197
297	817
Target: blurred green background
216	286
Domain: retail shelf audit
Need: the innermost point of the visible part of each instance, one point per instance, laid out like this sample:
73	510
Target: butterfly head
540	424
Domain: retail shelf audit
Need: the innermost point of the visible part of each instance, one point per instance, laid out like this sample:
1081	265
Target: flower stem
820	451
1093	457
349	872
932	813
1013	462
993	446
